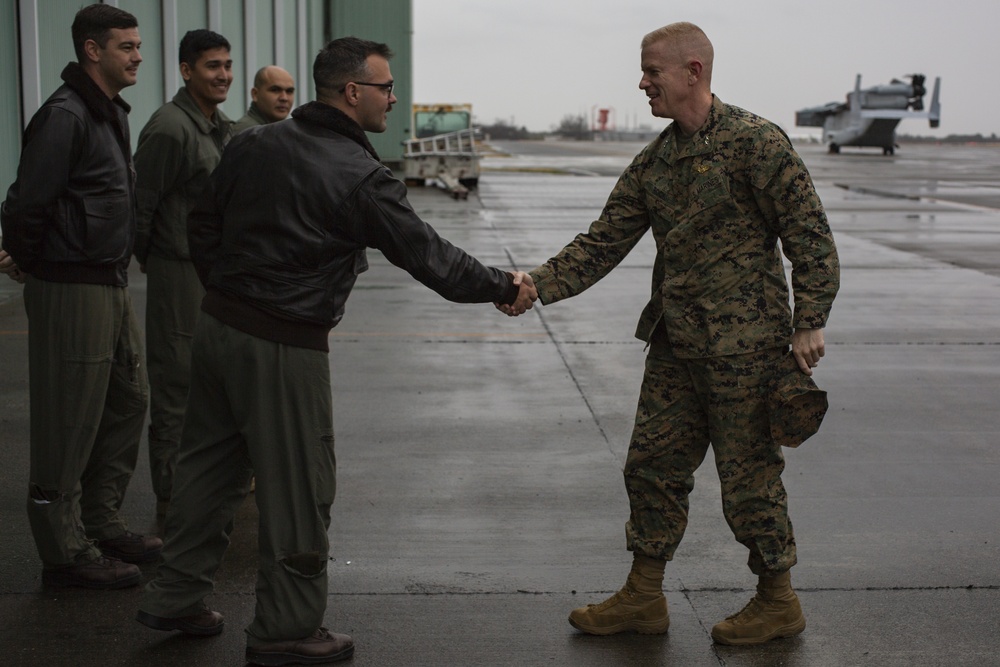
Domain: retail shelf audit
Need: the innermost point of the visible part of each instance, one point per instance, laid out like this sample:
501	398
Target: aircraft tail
935	111
856	97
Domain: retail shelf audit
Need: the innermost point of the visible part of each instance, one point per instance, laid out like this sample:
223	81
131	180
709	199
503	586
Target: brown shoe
774	612
102	573
322	647
132	548
639	606
203	624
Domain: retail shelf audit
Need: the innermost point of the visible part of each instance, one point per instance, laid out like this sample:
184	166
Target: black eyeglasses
387	87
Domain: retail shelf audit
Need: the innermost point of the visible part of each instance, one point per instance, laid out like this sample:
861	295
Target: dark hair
344	60
95	22
196	42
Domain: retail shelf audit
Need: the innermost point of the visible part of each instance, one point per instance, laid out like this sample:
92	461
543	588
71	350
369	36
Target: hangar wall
35	45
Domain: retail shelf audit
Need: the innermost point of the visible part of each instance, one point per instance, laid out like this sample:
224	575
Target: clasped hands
526	296
8	266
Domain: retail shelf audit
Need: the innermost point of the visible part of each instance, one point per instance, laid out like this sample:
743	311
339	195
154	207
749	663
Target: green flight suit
177	151
247	395
252	118
88	393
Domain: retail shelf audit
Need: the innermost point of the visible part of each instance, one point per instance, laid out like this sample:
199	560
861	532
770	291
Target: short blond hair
688	40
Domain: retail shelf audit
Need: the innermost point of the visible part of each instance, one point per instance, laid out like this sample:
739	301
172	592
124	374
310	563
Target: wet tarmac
479	485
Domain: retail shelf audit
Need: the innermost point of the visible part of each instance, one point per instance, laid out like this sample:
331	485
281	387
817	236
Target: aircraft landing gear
888	150
834	149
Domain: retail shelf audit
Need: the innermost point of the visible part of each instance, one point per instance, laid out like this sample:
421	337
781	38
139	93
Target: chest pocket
712	216
707	193
659	203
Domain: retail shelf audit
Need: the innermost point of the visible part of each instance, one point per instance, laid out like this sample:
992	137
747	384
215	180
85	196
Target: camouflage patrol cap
795	408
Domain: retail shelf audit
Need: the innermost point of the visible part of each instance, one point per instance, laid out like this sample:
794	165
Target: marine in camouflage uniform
718	323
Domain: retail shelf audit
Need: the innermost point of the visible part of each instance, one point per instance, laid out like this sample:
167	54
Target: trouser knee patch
308	564
42	496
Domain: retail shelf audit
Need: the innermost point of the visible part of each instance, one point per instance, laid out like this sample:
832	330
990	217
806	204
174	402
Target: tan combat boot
772	613
639	605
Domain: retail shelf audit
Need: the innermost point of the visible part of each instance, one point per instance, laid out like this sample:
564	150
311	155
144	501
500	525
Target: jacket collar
336	120
254	112
218	121
703	140
99	104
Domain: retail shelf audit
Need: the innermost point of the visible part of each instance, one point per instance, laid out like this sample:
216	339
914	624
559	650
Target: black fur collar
95	99
332	118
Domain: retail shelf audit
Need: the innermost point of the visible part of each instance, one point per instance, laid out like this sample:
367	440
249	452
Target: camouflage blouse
717	203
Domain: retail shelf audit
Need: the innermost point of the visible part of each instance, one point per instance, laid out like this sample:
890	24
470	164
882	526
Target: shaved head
685	41
273	92
266	73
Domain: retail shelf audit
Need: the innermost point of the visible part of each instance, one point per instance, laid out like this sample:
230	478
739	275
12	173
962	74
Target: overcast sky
532	62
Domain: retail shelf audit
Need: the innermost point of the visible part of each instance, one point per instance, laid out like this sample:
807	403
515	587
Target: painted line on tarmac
919	198
550	334
956	204
435	334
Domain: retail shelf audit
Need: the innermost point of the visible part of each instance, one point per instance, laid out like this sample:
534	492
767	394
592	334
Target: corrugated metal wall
390	22
10	107
35	45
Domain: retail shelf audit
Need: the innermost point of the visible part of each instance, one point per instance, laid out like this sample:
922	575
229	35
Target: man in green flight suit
719	188
273	93
178	149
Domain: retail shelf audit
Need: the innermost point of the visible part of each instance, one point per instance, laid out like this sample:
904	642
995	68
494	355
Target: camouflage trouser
684	405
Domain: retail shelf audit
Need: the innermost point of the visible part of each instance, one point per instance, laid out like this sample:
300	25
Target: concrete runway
480	495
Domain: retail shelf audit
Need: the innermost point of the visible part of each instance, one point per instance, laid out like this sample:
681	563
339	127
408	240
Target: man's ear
92	50
185	71
694	70
351	94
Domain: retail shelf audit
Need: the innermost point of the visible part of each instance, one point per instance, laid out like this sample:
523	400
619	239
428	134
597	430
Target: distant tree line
572	126
501	129
950	139
575	127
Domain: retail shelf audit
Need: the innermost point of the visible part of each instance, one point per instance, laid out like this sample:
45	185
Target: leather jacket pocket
105	228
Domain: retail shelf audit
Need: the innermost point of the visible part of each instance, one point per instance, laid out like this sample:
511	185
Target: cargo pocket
107	220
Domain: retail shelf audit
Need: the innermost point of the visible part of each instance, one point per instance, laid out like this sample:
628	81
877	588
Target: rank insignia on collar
702	168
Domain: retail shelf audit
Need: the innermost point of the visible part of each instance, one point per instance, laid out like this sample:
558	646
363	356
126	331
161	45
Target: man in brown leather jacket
69	226
279	240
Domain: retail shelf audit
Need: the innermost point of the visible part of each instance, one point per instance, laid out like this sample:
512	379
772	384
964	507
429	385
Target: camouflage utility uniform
719	322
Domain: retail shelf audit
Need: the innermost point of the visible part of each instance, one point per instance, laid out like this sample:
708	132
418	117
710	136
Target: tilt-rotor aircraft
869	117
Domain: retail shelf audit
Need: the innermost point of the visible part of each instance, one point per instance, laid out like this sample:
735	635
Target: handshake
526	296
